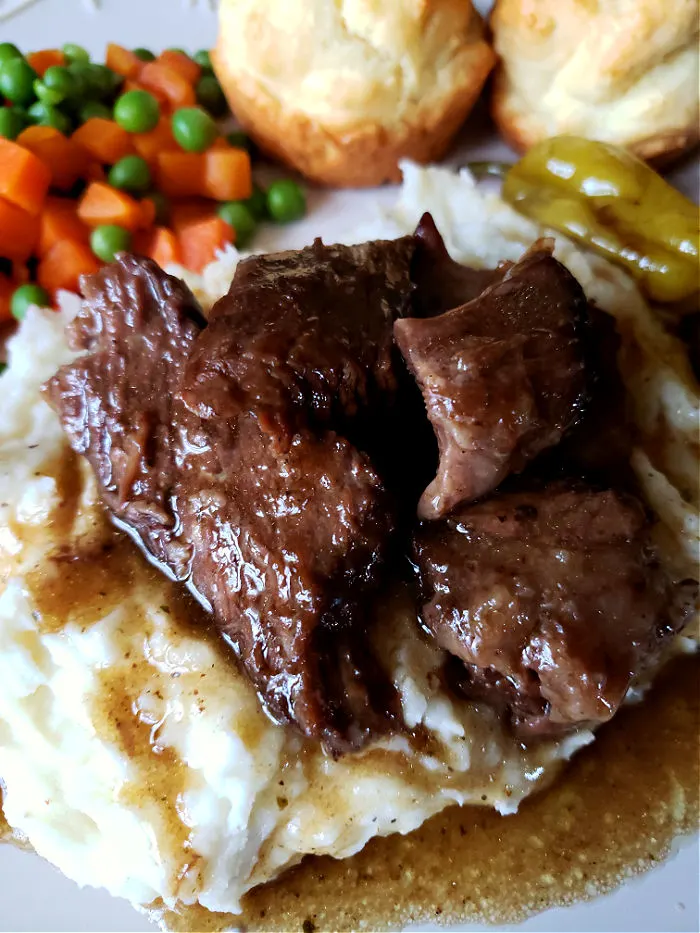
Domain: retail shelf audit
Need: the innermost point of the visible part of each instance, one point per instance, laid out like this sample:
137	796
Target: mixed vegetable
125	155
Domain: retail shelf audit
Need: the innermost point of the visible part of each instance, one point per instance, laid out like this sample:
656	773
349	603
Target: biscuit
625	73
342	91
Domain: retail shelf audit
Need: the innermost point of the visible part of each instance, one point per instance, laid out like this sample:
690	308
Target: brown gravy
636	786
614	813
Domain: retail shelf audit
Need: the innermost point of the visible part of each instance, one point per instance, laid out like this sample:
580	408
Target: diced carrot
123	61
180	174
148	213
63	265
220	143
60	221
188	210
182	64
20	273
19	232
161	139
160	244
7	287
131	84
166	248
45	59
160	79
66	160
104	140
24	179
200	240
102	204
95	172
227	175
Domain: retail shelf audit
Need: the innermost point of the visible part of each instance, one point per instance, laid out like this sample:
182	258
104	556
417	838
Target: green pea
60	81
81	72
75	53
3	367
179	51
193	129
210	96
12	122
45	94
285	201
45	115
37	112
130	174
25	297
240	140
93	108
108	240
241	219
91	81
162	205
104	81
8	51
144	54
17	79
257	203
203	59
137	112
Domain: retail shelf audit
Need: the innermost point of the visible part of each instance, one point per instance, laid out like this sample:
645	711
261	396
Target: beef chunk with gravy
550	601
118	403
304	336
440	282
502	376
286	547
250	458
282	548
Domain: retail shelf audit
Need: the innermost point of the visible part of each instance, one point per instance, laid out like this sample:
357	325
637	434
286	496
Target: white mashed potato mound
133	754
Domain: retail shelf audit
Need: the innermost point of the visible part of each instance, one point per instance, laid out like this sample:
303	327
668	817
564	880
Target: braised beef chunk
286	546
502	376
599	445
282	547
118	403
440	282
550	599
303	336
271	460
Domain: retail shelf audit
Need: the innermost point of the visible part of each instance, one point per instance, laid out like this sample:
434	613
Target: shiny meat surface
118	404
550	599
304	336
282	548
502	376
599	445
286	546
441	283
271	460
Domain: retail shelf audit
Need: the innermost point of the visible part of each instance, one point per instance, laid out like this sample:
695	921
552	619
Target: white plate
33	895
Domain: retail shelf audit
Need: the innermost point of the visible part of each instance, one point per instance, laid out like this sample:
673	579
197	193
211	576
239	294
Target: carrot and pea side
125	155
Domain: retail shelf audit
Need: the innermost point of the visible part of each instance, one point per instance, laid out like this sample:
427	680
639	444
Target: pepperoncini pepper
609	200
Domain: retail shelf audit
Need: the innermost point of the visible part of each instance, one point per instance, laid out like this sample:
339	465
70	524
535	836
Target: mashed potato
135	757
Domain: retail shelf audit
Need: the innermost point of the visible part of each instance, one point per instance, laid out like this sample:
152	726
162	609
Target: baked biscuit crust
364	85
624	72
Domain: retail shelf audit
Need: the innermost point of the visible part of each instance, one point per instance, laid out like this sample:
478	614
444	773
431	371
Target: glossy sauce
615	812
81	582
159	774
635	787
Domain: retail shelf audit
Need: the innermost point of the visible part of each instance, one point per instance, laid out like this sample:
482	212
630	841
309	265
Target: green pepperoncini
614	203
